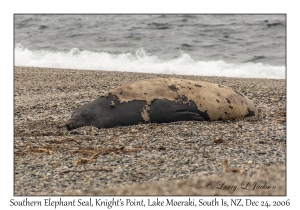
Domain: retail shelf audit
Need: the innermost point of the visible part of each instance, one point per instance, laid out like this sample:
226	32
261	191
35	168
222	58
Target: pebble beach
178	158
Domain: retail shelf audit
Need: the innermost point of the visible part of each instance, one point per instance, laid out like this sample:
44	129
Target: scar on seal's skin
112	104
173	88
145	113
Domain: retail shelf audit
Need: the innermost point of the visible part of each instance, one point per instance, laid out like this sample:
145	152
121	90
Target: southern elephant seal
162	100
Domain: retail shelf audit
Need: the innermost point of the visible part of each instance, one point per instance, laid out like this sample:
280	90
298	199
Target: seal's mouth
73	124
69	126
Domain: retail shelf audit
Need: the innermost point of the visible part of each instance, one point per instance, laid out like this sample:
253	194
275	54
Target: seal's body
163	100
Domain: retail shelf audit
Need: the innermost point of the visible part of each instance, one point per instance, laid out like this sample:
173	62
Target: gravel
144	159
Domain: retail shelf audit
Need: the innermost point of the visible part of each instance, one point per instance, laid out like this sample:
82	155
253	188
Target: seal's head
77	120
81	117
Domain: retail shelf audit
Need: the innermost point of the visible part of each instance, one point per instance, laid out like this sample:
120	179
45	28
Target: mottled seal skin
163	100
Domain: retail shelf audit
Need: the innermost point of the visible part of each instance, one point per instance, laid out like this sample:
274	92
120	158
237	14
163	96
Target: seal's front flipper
185	115
164	111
